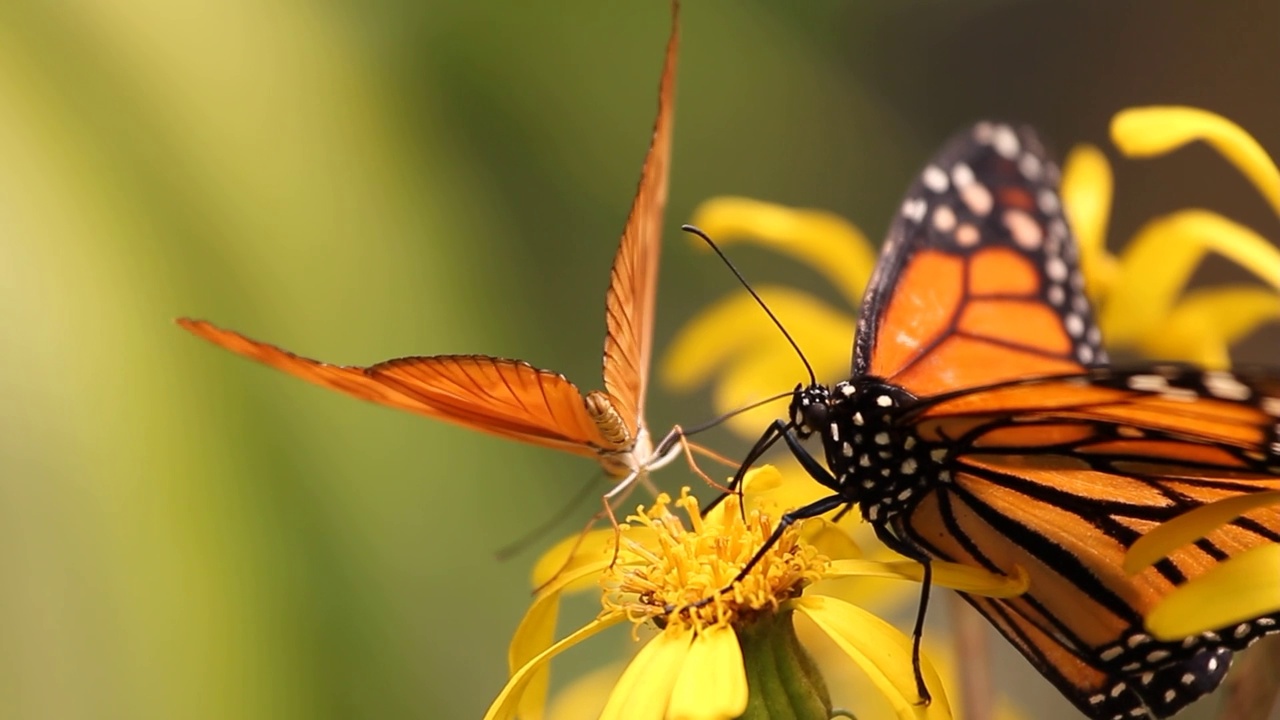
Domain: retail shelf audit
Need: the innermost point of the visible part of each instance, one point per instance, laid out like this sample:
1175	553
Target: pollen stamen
687	568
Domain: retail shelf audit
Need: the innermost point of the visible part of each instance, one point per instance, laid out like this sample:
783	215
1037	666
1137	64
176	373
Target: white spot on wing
1025	230
1226	386
1005	141
914	209
1148	383
944	218
935	179
977	197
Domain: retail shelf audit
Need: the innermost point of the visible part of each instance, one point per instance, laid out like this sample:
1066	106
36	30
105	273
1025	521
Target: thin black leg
813	509
810	463
911	551
766	441
918	633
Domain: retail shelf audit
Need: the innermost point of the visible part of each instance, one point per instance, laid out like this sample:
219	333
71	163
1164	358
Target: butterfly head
810	409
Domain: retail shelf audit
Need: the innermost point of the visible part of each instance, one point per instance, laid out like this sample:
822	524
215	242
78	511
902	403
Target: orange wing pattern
982	426
1059	477
633	281
511	398
978	280
508	398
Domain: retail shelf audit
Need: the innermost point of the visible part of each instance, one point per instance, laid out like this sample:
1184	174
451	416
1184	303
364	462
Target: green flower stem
784	682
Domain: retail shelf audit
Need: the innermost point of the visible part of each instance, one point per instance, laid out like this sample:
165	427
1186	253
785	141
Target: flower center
674	574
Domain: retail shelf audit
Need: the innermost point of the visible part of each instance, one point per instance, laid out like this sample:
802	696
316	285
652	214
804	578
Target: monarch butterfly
513	399
982	425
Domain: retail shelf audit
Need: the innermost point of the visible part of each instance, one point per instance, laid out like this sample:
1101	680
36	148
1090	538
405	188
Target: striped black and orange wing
508	398
1060	476
1051	462
978	280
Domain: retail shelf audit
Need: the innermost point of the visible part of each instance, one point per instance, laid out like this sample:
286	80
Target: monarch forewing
511	398
977	281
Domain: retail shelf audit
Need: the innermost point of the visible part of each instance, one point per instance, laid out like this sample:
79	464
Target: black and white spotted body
877	461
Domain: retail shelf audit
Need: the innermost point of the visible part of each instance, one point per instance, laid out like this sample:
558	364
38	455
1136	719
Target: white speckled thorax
882	463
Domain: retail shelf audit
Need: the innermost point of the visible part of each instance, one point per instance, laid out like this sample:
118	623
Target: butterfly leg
766	441
912	552
665	453
813	509
507	551
617	495
811	465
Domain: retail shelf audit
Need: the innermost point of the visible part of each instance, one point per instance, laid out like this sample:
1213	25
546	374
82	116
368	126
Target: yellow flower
1242	588
1137	294
587	694
715	653
1140	298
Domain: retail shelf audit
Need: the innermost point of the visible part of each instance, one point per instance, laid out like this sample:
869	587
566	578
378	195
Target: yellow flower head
669	572
688	567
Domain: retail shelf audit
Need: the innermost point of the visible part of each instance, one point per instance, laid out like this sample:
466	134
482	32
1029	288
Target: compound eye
815	416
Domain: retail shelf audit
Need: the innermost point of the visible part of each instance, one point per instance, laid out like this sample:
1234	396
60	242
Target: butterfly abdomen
608	420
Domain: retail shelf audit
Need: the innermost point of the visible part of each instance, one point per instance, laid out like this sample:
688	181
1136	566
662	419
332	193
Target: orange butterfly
513	399
982	425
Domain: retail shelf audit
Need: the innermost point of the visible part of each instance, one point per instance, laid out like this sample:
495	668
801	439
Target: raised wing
508	398
634	279
1060	476
978	280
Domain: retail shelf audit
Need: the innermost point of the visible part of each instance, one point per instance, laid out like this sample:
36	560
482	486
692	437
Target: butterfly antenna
813	379
717	420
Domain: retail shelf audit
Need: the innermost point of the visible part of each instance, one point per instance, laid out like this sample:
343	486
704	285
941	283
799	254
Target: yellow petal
504	707
1149	131
759	487
1087	187
587	549
535	634
1203	325
825	241
712	683
830	539
644	690
1157	263
760	480
736	340
1242	588
585	695
952	575
882	652
1191	526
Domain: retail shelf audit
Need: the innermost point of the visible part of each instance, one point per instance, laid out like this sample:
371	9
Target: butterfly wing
508	398
1059	476
977	290
634	278
978	280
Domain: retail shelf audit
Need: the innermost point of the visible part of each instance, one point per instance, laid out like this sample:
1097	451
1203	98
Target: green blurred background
186	534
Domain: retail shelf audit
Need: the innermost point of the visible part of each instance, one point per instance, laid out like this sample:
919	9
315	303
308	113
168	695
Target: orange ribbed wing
634	279
508	398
